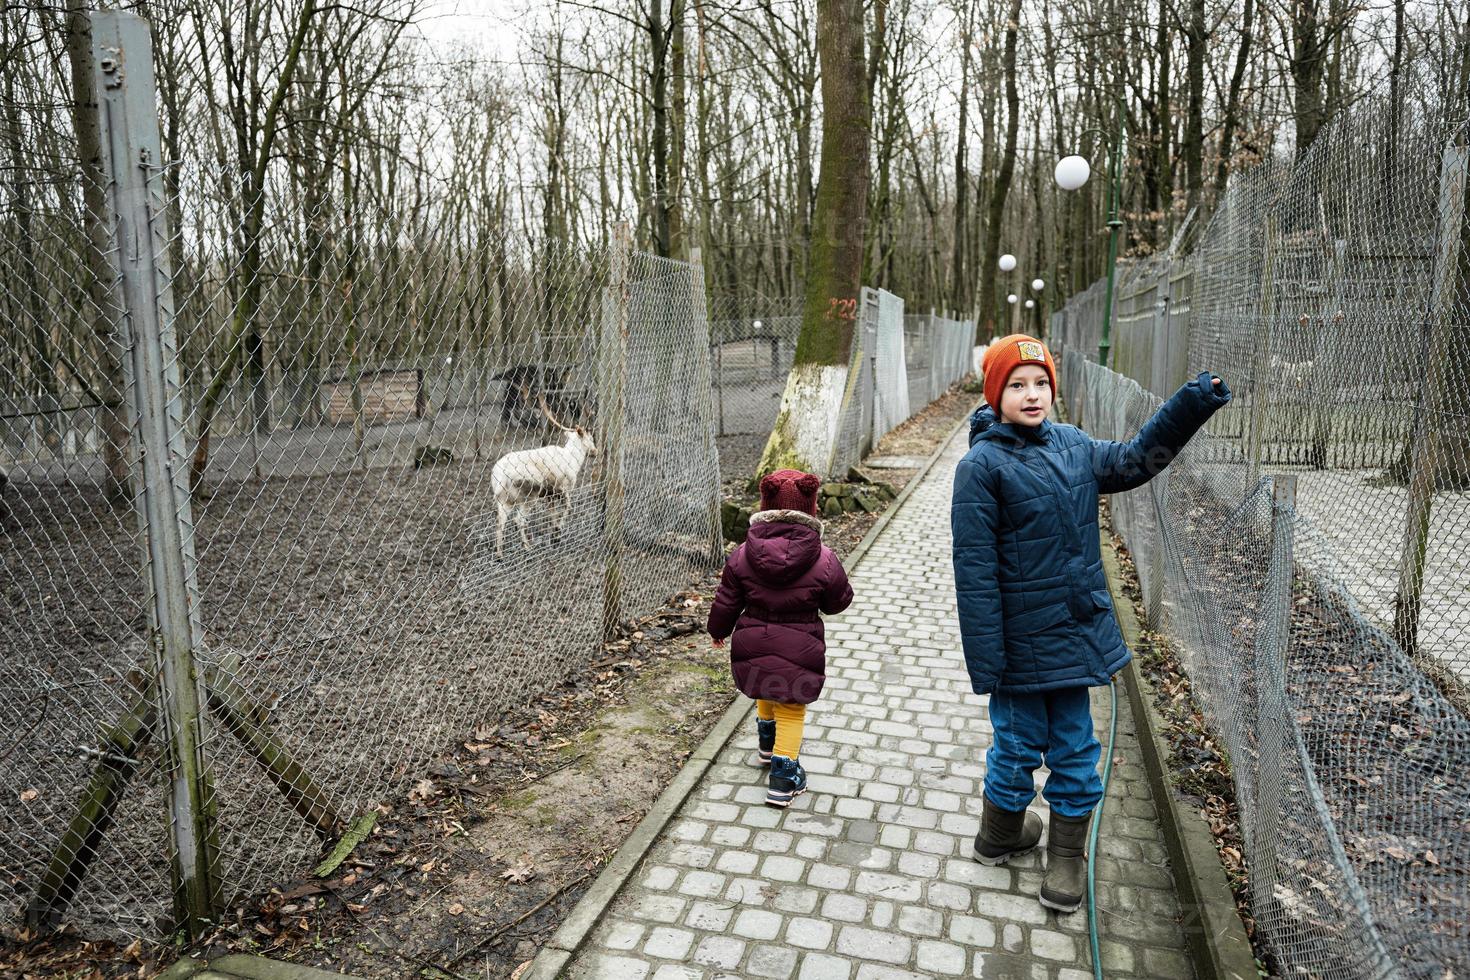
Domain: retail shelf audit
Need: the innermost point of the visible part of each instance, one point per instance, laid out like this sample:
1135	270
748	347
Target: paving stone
622	935
757	924
771	961
873	971
943	958
702	884
737	862
828	876
809	933
892	887
920	921
881	914
783	868
657	908
797	900
1053	945
845	908
970	931
660	877
607	967
918	865
677	971
817	966
1163	963
872	944
709	916
668	943
773	841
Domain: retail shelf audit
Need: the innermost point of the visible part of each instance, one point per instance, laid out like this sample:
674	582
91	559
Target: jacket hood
985	424
982	420
783	544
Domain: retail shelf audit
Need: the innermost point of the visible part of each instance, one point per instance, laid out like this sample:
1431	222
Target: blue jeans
1052	725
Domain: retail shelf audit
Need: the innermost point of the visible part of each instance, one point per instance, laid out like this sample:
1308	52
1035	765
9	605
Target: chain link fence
900	363
753	345
288	507
1309	549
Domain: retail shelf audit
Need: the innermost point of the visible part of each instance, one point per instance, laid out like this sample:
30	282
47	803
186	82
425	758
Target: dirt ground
469	871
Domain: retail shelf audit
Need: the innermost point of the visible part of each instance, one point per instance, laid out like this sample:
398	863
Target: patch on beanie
1032	351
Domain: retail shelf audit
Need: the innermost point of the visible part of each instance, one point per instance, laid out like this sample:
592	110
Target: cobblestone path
869	875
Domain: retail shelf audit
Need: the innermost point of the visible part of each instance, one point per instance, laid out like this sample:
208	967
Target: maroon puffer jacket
770	594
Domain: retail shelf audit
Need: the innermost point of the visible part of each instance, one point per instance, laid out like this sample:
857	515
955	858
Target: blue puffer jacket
1035	613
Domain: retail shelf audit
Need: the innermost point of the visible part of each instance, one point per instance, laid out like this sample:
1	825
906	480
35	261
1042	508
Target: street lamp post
1071	173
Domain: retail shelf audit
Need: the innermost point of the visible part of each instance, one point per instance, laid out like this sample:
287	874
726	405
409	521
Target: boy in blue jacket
1036	618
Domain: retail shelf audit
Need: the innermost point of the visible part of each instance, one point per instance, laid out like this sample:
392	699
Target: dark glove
1215	390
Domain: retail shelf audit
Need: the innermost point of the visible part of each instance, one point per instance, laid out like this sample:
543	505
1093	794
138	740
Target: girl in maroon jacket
773	587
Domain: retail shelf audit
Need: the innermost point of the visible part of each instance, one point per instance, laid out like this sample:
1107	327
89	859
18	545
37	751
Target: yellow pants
789	719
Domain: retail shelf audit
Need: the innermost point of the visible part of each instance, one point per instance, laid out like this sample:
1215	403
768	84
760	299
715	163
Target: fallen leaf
426	867
422	790
27	796
520	872
456	909
520	971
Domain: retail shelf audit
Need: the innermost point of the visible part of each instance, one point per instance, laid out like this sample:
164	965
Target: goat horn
541	397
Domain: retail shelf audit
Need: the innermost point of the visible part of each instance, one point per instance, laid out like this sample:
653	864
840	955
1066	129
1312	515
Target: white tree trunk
806	430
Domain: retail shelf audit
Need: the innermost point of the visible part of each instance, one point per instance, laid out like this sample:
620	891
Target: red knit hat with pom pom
790	490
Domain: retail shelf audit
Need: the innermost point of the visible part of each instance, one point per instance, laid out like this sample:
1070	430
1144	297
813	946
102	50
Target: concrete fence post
122	65
613	409
1444	338
1272	707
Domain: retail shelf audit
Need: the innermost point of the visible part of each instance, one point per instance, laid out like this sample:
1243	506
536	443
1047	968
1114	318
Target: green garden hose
1092	836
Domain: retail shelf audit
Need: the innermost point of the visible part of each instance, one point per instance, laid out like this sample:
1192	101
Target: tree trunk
1002	187
106	306
1194	126
804	435
678	112
247	280
958	285
1308	65
659	83
1232	100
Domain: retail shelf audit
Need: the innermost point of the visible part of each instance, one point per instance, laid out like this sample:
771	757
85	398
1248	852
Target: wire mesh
429	473
936	353
1328	636
753	345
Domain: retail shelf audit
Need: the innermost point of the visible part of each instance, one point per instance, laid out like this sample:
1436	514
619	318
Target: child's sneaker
787	782
765	733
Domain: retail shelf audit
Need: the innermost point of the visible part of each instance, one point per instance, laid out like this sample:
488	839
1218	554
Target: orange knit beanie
1009	353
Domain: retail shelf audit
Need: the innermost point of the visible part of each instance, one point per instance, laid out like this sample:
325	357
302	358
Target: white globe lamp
1031	304
757	324
1011	298
1038	285
1007	262
1072	172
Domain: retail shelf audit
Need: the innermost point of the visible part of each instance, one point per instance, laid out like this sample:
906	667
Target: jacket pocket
1036	620
1102	599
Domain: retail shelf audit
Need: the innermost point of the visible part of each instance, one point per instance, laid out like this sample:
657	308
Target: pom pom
809	483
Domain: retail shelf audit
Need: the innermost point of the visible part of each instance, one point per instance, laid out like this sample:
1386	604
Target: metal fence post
1451	283
1271	701
701	317
122	66
613	407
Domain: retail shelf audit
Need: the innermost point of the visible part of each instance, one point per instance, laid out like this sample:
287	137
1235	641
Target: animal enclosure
243	616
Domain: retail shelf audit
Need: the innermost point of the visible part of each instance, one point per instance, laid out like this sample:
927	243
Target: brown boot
1004	834
1065	884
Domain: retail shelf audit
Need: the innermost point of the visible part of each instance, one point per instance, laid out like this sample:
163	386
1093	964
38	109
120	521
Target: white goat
522	477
